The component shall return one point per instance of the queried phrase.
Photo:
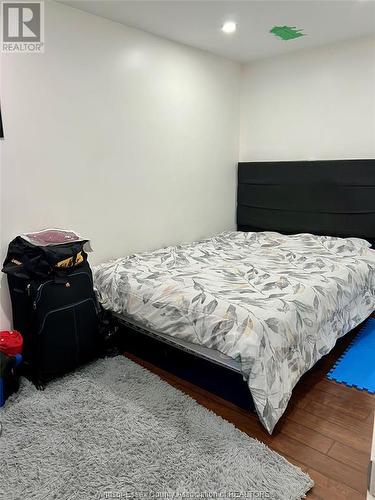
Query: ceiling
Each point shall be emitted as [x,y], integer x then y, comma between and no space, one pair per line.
[197,23]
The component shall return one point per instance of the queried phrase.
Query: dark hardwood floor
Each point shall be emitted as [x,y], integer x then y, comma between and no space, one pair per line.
[327,428]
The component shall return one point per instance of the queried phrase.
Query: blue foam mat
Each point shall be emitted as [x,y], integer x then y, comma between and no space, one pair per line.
[356,367]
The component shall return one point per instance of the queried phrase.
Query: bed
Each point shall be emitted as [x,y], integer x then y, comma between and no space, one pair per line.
[272,298]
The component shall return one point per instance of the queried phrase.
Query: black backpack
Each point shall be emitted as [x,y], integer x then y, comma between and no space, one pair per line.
[54,307]
[9,376]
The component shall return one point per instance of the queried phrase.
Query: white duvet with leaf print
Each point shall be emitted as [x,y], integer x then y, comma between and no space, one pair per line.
[276,303]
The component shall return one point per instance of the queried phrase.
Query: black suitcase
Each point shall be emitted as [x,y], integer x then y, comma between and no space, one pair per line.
[56,312]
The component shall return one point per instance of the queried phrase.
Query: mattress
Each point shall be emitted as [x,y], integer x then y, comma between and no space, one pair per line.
[211,355]
[274,303]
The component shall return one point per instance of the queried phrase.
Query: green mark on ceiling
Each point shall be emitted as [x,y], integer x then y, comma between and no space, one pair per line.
[287,32]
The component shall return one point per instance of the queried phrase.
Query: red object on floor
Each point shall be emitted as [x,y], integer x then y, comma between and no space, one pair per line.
[11,342]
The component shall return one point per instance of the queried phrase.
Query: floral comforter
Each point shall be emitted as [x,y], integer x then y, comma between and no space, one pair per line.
[276,303]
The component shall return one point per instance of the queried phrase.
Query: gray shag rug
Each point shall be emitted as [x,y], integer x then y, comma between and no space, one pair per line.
[115,430]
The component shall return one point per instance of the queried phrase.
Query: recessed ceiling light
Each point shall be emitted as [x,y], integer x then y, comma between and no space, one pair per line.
[229,27]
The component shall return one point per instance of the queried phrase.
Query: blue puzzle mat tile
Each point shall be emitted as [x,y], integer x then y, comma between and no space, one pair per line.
[356,367]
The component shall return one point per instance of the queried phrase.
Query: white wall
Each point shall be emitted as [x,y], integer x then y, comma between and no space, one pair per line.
[130,139]
[311,104]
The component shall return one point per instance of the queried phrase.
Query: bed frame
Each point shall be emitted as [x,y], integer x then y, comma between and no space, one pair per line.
[333,197]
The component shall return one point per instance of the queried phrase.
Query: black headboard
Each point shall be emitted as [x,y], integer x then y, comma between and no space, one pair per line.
[332,197]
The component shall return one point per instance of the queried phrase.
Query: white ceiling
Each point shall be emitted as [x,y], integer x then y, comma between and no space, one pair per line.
[198,23]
